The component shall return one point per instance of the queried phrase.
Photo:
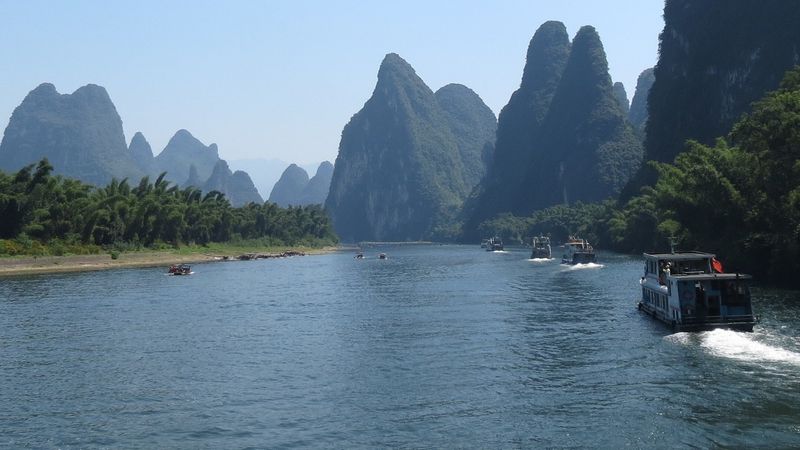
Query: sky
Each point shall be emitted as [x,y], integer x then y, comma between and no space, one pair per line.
[279,80]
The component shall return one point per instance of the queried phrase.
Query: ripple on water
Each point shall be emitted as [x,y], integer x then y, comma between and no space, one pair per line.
[438,346]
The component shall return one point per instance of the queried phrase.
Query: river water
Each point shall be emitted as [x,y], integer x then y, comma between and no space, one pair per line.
[434,347]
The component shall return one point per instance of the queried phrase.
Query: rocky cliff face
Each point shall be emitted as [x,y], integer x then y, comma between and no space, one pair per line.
[183,151]
[399,173]
[237,186]
[80,134]
[289,188]
[316,191]
[637,115]
[715,59]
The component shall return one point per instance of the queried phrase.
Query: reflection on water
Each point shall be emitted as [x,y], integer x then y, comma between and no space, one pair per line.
[436,346]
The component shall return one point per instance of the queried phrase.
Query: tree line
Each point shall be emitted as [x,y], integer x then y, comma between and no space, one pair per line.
[739,198]
[40,211]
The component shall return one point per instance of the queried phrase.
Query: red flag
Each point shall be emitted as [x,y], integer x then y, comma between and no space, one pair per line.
[716,265]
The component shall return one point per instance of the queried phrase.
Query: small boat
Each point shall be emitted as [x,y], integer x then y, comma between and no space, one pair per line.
[690,292]
[578,251]
[494,244]
[359,255]
[382,256]
[180,269]
[541,248]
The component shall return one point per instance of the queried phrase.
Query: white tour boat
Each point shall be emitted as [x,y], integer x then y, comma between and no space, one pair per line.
[688,291]
[578,251]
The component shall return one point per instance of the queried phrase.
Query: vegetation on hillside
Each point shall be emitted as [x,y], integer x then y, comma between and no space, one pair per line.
[43,213]
[739,198]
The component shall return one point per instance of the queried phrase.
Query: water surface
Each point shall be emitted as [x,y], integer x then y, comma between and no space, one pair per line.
[437,346]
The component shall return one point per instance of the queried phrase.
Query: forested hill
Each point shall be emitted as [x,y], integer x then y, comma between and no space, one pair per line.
[563,137]
[399,174]
[473,125]
[518,127]
[589,148]
[715,59]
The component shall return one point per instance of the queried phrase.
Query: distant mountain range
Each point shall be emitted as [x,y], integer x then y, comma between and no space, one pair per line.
[265,172]
[81,135]
[294,188]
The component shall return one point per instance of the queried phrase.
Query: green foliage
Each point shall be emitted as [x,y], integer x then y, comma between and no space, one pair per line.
[587,220]
[43,214]
[739,198]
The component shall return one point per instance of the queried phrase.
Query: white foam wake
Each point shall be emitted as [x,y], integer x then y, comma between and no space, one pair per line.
[583,266]
[740,346]
[540,260]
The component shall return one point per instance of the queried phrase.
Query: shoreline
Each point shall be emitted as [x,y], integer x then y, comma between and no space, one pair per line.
[46,265]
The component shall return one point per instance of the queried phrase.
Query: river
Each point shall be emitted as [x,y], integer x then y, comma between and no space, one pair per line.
[434,347]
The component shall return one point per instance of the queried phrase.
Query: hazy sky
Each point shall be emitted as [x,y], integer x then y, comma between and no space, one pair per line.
[269,79]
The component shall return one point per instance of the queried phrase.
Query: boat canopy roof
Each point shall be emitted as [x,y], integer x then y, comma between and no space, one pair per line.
[679,256]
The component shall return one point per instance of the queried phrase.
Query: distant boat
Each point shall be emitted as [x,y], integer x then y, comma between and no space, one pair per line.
[382,256]
[690,292]
[541,248]
[180,269]
[494,244]
[578,251]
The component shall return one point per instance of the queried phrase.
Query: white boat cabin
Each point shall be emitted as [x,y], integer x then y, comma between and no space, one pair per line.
[688,291]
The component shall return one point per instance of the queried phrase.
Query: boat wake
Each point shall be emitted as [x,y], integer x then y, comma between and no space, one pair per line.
[738,345]
[499,251]
[541,260]
[582,266]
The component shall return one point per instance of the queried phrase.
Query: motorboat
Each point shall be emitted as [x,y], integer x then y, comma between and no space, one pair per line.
[541,248]
[689,291]
[578,251]
[494,244]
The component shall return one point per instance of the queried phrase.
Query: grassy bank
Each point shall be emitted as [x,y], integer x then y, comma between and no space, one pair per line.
[102,259]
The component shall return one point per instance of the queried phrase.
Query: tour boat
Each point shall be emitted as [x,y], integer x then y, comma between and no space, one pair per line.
[578,251]
[494,244]
[690,292]
[541,247]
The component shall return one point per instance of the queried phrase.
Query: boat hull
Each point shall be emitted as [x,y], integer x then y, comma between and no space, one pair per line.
[580,258]
[541,253]
[737,323]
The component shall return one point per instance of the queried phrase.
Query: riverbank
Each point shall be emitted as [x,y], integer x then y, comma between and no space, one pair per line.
[32,265]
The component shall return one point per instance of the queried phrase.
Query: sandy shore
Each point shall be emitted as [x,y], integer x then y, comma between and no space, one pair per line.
[13,266]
